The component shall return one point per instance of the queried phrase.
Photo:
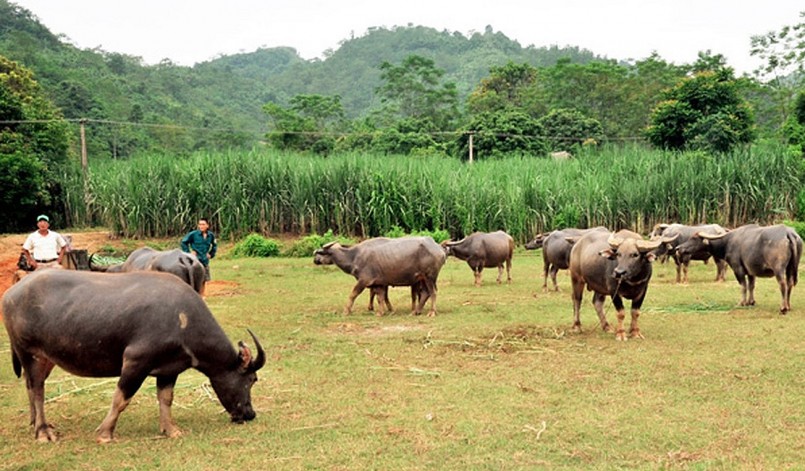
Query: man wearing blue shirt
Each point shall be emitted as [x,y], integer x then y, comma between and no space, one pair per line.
[201,243]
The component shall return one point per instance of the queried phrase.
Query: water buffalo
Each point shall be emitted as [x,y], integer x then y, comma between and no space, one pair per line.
[615,266]
[556,251]
[754,251]
[184,265]
[484,250]
[407,261]
[682,261]
[131,325]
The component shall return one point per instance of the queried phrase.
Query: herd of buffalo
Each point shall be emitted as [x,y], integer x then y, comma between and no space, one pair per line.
[101,325]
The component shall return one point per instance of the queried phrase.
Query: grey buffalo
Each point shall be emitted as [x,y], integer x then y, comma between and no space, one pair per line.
[615,266]
[556,251]
[755,251]
[131,325]
[682,261]
[484,250]
[181,264]
[378,264]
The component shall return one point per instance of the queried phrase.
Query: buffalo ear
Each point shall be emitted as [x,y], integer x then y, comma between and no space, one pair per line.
[651,256]
[245,355]
[608,253]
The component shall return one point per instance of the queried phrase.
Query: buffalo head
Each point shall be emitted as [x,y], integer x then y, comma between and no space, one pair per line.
[537,242]
[632,254]
[697,243]
[324,255]
[234,385]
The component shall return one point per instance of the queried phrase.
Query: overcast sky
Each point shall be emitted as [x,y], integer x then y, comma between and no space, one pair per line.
[191,31]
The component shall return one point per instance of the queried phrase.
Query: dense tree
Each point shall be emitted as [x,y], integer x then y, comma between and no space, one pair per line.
[704,111]
[794,127]
[309,123]
[567,130]
[783,73]
[501,132]
[33,143]
[415,90]
[505,87]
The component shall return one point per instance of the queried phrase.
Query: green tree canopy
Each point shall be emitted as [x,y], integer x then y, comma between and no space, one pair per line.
[501,132]
[703,111]
[566,130]
[506,87]
[309,123]
[414,89]
[33,142]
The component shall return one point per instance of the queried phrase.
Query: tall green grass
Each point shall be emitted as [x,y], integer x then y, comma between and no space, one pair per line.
[367,195]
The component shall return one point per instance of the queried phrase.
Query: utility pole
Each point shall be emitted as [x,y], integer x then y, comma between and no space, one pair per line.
[84,162]
[470,146]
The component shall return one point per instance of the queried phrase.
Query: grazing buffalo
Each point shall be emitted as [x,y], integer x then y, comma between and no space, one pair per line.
[682,261]
[611,265]
[131,325]
[484,250]
[378,264]
[754,251]
[184,265]
[556,251]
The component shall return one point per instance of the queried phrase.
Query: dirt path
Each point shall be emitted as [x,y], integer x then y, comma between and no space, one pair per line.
[11,246]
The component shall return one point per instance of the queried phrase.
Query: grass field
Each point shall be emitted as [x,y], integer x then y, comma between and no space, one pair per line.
[495,381]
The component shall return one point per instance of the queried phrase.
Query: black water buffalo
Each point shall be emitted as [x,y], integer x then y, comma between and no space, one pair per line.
[682,261]
[755,251]
[556,251]
[484,250]
[615,266]
[184,265]
[378,264]
[131,325]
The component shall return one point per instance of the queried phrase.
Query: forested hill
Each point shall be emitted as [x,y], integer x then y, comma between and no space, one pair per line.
[229,91]
[352,71]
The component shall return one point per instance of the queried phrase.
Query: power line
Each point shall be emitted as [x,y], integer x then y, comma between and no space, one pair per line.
[337,134]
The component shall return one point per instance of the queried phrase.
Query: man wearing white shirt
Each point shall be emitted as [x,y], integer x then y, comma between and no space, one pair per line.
[44,248]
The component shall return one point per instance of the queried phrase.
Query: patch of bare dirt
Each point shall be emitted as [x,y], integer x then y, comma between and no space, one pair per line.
[11,246]
[92,242]
[221,288]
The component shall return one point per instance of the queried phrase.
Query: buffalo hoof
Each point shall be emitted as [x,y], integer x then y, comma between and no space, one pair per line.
[607,328]
[174,432]
[635,334]
[431,313]
[576,328]
[46,433]
[620,336]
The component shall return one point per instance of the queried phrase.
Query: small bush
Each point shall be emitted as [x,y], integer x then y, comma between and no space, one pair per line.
[798,226]
[395,232]
[255,245]
[305,246]
[438,235]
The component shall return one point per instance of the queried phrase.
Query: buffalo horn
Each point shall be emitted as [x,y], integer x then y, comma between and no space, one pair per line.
[258,362]
[647,245]
[615,242]
[705,235]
